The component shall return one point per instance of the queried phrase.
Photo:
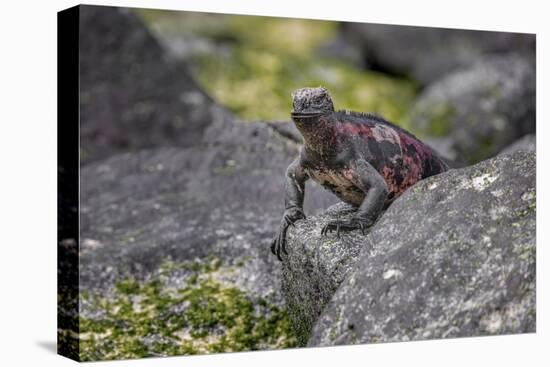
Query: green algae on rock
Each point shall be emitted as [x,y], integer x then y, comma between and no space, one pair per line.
[246,75]
[251,64]
[203,315]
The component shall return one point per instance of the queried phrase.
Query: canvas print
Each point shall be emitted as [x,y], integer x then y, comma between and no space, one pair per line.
[243,183]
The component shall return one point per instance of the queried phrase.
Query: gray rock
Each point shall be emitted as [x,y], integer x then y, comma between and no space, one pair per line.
[424,53]
[453,257]
[343,48]
[222,199]
[528,142]
[315,266]
[479,110]
[179,32]
[443,147]
[287,129]
[132,94]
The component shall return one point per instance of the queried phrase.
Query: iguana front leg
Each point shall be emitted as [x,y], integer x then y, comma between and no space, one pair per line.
[295,179]
[365,177]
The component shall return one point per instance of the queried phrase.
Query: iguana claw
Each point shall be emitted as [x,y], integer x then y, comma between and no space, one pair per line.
[345,225]
[278,245]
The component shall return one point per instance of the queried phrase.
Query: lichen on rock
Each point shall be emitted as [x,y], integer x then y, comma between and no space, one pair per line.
[453,256]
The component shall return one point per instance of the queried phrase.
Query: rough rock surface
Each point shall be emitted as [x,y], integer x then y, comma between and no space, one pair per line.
[479,110]
[132,95]
[315,267]
[454,256]
[424,53]
[222,199]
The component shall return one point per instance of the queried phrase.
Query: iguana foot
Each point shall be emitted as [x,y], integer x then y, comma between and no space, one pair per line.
[279,243]
[346,225]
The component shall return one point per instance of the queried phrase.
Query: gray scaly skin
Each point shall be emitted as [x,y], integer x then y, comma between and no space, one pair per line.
[363,159]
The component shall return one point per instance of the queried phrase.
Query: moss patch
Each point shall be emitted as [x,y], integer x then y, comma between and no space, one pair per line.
[142,319]
[258,61]
[441,122]
[438,119]
[484,147]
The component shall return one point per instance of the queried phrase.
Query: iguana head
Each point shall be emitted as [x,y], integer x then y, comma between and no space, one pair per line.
[310,102]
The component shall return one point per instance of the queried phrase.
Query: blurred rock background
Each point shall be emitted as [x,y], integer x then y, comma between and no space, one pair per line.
[185,136]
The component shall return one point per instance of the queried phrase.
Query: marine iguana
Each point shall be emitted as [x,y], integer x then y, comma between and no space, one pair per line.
[363,159]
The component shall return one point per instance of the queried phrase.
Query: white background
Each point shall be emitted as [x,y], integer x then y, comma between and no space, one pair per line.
[28,182]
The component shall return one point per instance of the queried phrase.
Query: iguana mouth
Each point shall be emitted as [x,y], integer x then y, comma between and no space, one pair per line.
[305,114]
